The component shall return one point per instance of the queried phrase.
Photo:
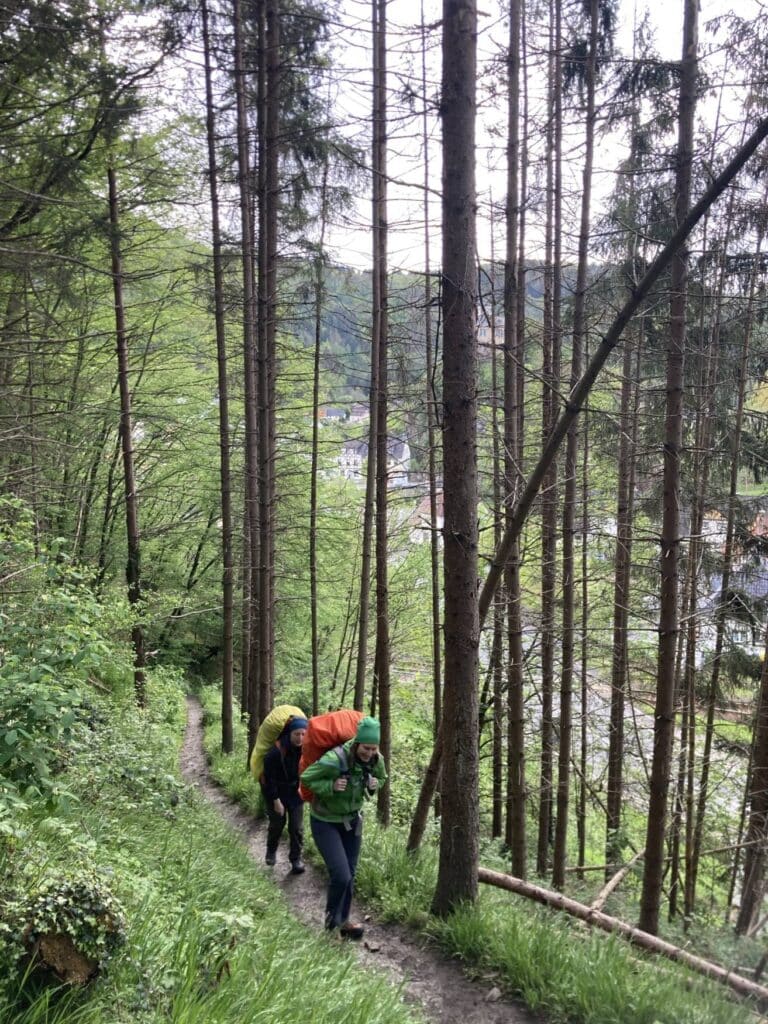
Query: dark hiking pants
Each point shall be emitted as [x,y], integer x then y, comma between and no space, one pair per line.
[295,818]
[339,847]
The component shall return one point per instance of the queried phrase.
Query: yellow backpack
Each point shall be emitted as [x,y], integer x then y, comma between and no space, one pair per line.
[269,730]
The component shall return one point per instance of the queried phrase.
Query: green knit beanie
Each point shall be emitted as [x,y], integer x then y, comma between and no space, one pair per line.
[368,731]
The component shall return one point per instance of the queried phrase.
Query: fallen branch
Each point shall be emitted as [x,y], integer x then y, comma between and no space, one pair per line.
[636,936]
[599,902]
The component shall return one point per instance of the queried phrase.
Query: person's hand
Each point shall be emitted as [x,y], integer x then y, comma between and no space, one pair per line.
[373,784]
[340,784]
[278,807]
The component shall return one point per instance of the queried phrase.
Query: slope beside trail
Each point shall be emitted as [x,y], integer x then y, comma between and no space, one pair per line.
[429,980]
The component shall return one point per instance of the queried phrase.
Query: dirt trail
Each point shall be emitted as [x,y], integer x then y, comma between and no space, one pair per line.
[437,985]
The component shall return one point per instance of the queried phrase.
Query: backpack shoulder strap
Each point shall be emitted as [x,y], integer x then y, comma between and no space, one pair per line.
[341,754]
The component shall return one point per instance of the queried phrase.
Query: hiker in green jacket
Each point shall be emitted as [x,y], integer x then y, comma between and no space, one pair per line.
[341,781]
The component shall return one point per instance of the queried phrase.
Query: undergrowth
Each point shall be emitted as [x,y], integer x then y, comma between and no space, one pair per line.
[208,937]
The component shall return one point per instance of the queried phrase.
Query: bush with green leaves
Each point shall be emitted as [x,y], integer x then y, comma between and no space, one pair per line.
[69,927]
[53,630]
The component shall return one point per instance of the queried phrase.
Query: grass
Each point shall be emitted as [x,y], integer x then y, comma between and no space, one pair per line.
[210,939]
[556,966]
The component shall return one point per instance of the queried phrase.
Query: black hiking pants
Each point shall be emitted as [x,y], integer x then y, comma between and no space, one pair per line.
[295,818]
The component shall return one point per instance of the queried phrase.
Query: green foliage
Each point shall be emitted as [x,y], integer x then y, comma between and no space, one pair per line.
[36,727]
[80,906]
[208,938]
[51,643]
[570,975]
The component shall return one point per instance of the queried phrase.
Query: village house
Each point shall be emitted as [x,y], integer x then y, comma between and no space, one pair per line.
[354,455]
[358,413]
[330,414]
[420,520]
[746,613]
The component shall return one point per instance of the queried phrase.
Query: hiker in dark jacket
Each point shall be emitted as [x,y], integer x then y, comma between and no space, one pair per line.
[281,793]
[340,787]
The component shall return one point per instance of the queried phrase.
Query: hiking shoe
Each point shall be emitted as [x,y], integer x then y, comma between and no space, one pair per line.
[270,859]
[297,867]
[351,931]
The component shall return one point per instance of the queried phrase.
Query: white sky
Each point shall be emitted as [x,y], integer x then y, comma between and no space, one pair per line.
[351,242]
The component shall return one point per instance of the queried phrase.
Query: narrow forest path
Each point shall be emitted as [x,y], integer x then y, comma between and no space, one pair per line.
[429,980]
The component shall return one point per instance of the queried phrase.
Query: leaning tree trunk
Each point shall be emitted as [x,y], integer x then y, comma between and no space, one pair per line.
[227,582]
[133,565]
[664,716]
[574,406]
[457,872]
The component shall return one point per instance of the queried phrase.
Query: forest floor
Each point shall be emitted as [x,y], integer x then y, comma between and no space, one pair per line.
[429,980]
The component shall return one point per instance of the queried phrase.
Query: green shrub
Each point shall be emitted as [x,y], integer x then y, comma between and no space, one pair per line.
[70,927]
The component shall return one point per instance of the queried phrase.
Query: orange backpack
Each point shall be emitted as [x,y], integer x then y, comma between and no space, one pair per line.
[324,733]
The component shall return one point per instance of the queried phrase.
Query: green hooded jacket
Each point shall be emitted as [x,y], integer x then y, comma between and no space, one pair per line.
[337,805]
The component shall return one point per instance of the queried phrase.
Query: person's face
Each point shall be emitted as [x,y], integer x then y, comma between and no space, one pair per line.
[365,751]
[297,737]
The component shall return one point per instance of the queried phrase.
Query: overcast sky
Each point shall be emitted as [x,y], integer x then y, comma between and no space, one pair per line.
[351,241]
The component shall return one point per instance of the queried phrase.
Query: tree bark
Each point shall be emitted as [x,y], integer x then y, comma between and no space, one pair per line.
[664,714]
[551,360]
[570,482]
[225,476]
[319,301]
[381,329]
[753,884]
[514,350]
[251,527]
[457,872]
[133,566]
[430,405]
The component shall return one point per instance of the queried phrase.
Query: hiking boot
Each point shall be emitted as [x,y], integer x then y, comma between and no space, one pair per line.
[297,867]
[351,931]
[271,858]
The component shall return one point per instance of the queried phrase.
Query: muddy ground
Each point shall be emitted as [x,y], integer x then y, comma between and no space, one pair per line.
[431,981]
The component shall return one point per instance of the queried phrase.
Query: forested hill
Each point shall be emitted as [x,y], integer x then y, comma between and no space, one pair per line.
[345,327]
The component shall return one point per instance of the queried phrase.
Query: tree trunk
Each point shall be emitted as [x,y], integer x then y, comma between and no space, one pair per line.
[457,872]
[251,576]
[514,350]
[664,715]
[609,341]
[550,392]
[430,405]
[227,580]
[753,884]
[133,566]
[380,329]
[728,553]
[268,190]
[635,935]
[571,457]
[319,301]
